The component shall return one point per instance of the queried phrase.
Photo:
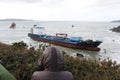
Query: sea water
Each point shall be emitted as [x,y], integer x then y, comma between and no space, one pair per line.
[110,48]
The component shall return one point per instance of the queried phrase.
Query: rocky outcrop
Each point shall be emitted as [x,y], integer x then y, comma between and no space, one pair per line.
[116,29]
[13,25]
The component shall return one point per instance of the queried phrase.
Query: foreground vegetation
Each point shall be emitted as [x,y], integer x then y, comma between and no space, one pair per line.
[22,62]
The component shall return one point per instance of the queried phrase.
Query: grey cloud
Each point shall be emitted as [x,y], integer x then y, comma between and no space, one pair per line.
[27,1]
[54,2]
[12,1]
[31,1]
[109,2]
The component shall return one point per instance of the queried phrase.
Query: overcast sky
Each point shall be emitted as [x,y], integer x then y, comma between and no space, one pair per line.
[80,10]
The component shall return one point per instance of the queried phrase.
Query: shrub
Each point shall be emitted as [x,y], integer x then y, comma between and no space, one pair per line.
[22,62]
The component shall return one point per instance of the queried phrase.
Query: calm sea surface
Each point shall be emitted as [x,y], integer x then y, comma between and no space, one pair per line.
[88,30]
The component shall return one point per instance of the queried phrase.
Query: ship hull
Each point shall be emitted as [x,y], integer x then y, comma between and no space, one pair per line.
[83,45]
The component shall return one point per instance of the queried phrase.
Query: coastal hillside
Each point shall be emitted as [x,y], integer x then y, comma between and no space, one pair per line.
[116,21]
[116,29]
[22,63]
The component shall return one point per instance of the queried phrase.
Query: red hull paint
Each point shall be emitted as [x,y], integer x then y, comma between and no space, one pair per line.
[67,45]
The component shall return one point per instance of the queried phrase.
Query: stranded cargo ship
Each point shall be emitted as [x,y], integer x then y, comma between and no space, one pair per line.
[61,39]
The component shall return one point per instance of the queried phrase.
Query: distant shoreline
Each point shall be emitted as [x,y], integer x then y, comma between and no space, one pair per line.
[117,21]
[16,20]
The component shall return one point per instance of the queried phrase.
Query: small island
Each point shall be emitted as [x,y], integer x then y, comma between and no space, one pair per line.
[116,29]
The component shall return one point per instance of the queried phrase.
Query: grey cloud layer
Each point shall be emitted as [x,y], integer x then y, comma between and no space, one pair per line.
[108,2]
[30,1]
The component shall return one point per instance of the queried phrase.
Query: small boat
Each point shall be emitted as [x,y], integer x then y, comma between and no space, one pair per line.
[61,39]
[13,25]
